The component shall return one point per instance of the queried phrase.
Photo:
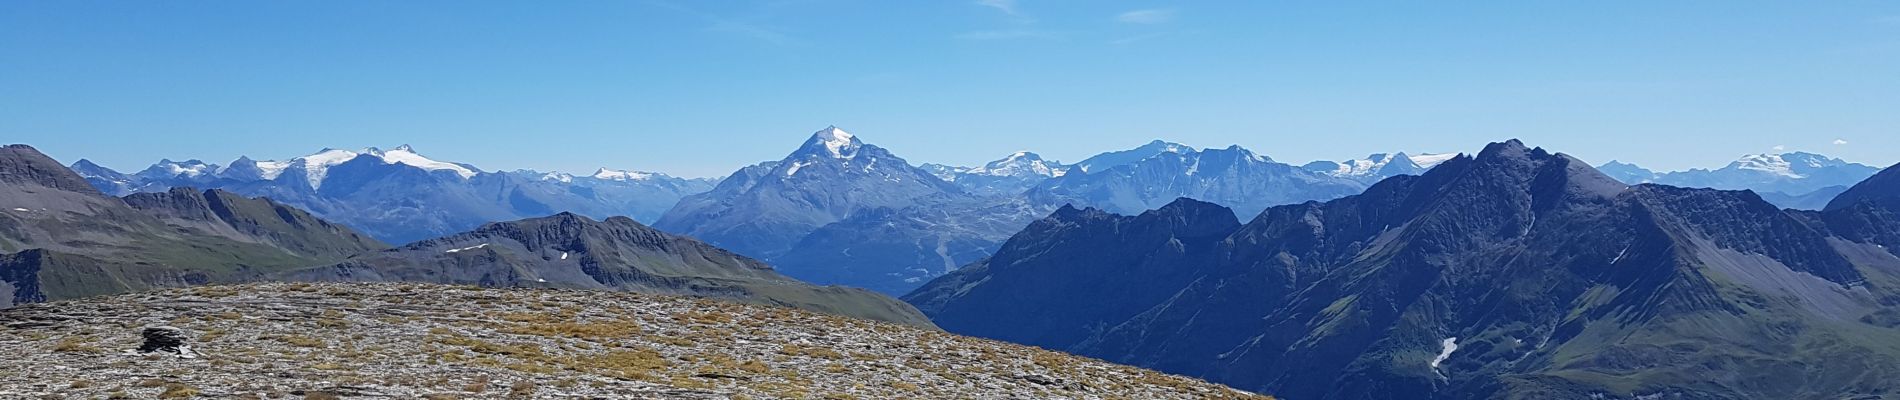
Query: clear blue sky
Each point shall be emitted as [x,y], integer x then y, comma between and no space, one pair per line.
[699,88]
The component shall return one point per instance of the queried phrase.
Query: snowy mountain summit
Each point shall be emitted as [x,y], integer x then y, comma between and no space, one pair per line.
[835,142]
[1379,166]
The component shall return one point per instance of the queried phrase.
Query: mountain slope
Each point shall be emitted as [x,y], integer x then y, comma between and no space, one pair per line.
[67,240]
[1516,273]
[762,211]
[571,251]
[895,250]
[1881,190]
[425,341]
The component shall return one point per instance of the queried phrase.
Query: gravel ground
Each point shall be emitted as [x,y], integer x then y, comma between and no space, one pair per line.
[328,341]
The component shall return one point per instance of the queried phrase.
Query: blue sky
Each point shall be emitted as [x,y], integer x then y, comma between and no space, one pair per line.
[699,88]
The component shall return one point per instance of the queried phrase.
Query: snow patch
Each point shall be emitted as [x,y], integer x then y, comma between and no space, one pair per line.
[21,210]
[317,166]
[272,169]
[1444,352]
[793,169]
[466,248]
[563,255]
[1769,163]
[617,175]
[558,177]
[190,168]
[1429,160]
[1021,163]
[839,143]
[408,156]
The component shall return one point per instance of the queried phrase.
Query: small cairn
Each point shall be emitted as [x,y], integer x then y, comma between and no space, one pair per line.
[166,339]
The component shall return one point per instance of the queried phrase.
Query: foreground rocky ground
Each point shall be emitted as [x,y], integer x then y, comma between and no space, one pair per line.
[328,341]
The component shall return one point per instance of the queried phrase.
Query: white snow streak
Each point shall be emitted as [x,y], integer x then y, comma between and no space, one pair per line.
[1449,345]
[466,248]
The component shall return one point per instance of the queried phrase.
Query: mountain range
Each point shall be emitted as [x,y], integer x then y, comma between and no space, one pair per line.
[1514,273]
[62,238]
[401,196]
[1797,180]
[1234,176]
[840,211]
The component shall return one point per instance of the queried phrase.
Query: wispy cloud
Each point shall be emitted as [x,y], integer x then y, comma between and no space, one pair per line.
[1146,17]
[1781,148]
[1006,6]
[731,26]
[1838,142]
[1003,34]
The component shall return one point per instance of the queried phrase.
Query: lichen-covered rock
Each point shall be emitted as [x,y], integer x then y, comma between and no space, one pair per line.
[294,340]
[164,338]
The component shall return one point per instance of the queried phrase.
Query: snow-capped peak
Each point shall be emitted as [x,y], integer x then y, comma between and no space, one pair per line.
[836,142]
[317,166]
[187,168]
[1380,165]
[1769,163]
[557,177]
[618,175]
[407,156]
[1021,163]
[1111,159]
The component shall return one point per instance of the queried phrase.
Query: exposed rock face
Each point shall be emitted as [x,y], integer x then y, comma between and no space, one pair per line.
[23,165]
[1517,273]
[412,340]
